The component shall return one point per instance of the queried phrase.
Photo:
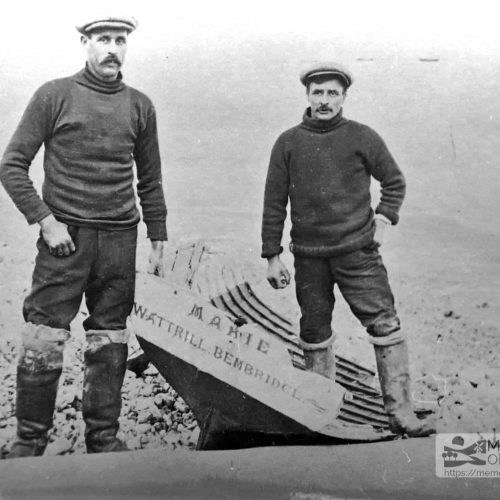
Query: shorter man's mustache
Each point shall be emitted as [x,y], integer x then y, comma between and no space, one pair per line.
[324,108]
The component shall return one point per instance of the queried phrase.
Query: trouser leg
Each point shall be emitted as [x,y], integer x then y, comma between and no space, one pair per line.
[111,287]
[59,282]
[362,279]
[314,291]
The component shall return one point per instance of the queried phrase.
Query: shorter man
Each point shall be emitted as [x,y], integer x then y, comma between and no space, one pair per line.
[324,167]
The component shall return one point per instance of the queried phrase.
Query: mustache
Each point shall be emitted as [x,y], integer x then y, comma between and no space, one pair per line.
[324,108]
[111,59]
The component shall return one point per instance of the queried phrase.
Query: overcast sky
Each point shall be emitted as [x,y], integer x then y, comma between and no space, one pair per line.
[471,27]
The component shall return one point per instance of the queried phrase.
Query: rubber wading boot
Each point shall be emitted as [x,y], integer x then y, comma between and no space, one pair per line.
[321,361]
[393,371]
[35,402]
[101,402]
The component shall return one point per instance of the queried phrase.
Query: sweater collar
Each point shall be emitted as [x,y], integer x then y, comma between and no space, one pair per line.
[86,78]
[310,123]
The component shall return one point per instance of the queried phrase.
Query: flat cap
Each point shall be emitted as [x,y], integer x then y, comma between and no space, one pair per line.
[128,23]
[326,68]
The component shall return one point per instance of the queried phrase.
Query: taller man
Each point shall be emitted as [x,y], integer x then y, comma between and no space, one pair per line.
[324,167]
[94,128]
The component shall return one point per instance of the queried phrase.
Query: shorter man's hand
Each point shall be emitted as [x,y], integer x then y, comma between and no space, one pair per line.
[277,273]
[156,259]
[56,236]
[379,235]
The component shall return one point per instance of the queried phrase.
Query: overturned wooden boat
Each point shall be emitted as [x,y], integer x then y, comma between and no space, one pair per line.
[237,364]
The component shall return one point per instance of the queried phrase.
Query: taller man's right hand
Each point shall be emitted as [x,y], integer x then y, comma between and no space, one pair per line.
[56,236]
[277,273]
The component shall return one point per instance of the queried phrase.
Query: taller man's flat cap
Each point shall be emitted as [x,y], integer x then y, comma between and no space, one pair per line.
[128,23]
[326,68]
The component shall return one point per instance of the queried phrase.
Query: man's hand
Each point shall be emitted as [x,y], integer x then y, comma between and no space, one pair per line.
[277,273]
[56,236]
[156,259]
[380,225]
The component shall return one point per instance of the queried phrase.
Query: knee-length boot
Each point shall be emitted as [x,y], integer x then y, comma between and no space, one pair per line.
[393,370]
[319,358]
[105,367]
[321,361]
[38,372]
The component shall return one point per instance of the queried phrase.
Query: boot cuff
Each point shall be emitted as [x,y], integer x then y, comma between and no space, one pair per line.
[99,338]
[36,337]
[306,346]
[391,339]
[41,348]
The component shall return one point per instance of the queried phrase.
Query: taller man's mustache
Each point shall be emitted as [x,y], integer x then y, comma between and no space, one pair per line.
[324,108]
[112,59]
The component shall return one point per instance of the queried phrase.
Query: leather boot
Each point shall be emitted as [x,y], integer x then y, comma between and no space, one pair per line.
[101,402]
[38,371]
[393,372]
[35,403]
[321,361]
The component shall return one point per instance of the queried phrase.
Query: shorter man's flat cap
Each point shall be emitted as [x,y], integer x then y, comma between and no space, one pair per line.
[128,23]
[326,68]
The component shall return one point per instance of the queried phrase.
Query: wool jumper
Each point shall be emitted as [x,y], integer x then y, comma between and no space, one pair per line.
[93,132]
[324,168]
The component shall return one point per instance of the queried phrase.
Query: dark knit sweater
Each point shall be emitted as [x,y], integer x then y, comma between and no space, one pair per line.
[93,132]
[324,169]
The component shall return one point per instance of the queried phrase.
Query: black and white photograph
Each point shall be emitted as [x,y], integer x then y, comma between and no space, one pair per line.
[247,250]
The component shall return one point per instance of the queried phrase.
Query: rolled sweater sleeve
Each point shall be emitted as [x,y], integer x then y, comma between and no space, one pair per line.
[385,170]
[33,129]
[149,176]
[275,200]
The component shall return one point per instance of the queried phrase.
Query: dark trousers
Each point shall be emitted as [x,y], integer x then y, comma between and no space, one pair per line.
[102,268]
[361,278]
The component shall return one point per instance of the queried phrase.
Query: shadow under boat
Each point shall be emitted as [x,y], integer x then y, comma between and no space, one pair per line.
[230,419]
